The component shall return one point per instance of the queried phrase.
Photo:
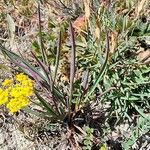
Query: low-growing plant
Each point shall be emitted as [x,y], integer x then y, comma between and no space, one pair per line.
[88,139]
[60,103]
[139,134]
[71,74]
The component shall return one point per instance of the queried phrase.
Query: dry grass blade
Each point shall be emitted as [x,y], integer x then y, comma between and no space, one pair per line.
[140,7]
[87,8]
[72,63]
[85,80]
[11,25]
[57,56]
[114,40]
[44,57]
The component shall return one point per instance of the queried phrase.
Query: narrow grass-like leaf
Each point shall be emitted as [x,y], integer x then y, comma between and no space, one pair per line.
[139,110]
[35,112]
[84,85]
[15,58]
[59,95]
[45,71]
[50,84]
[102,71]
[26,67]
[29,72]
[72,63]
[43,52]
[47,106]
[57,56]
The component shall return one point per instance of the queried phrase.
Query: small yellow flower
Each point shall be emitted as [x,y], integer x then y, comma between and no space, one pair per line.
[21,91]
[28,83]
[16,95]
[7,82]
[16,104]
[21,77]
[15,92]
[1,91]
[4,96]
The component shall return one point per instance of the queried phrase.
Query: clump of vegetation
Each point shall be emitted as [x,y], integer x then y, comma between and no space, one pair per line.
[92,65]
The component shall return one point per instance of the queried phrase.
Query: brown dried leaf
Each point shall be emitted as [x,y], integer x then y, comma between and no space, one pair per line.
[79,24]
[87,8]
[114,40]
[97,32]
[143,56]
[140,7]
[11,26]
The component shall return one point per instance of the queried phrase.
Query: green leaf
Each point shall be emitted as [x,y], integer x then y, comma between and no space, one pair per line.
[22,62]
[57,56]
[34,112]
[87,142]
[47,106]
[43,52]
[36,47]
[102,71]
[140,111]
[103,147]
[43,70]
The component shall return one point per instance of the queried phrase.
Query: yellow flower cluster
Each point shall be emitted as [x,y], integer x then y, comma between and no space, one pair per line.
[15,93]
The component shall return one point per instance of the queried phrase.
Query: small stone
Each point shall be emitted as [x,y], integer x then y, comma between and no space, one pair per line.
[2,138]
